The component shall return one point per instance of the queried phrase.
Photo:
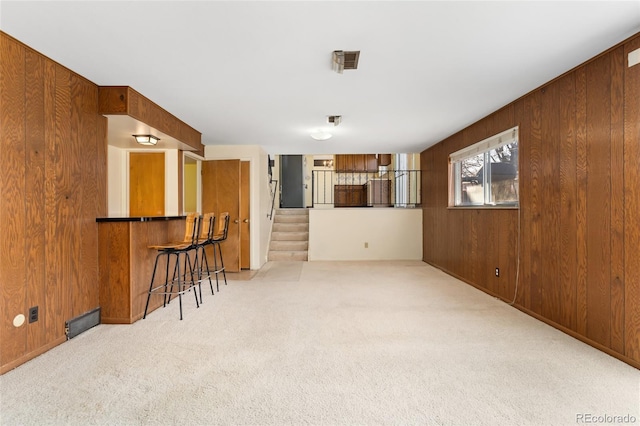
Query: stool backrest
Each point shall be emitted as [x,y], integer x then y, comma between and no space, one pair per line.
[207,227]
[223,227]
[191,227]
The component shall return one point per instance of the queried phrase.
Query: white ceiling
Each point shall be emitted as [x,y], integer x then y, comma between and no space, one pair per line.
[259,73]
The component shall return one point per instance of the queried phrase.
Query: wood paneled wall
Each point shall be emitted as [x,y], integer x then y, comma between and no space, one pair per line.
[576,236]
[53,153]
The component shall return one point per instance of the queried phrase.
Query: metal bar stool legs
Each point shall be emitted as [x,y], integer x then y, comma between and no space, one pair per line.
[181,280]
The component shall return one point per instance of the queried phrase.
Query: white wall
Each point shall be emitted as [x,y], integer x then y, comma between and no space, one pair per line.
[341,234]
[117,188]
[260,225]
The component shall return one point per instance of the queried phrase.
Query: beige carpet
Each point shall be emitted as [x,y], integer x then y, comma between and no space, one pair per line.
[325,343]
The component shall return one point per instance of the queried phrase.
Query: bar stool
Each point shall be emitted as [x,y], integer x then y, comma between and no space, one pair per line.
[179,279]
[219,237]
[200,262]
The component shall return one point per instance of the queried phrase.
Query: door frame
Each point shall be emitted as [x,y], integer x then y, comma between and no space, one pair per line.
[198,159]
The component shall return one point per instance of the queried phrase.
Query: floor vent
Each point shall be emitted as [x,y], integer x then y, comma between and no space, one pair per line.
[82,323]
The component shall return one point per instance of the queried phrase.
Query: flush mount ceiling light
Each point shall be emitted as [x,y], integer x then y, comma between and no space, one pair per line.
[320,135]
[345,60]
[146,139]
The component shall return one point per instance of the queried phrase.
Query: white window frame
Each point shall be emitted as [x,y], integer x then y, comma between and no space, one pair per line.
[483,148]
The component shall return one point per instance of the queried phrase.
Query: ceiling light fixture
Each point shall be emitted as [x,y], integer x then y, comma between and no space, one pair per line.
[320,135]
[146,139]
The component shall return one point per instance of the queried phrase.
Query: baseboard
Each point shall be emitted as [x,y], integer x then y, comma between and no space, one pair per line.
[575,335]
[31,355]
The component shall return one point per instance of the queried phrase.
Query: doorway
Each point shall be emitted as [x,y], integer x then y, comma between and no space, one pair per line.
[291,181]
[191,184]
[226,188]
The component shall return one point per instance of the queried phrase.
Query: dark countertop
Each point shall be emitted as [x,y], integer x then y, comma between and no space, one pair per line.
[137,219]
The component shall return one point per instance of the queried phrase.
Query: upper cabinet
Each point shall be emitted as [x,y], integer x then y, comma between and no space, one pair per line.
[384,159]
[360,162]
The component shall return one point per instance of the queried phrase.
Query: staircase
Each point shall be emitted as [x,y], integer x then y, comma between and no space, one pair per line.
[290,235]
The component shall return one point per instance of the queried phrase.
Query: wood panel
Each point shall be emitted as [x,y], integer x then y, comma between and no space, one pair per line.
[617,200]
[521,293]
[533,144]
[146,184]
[12,202]
[578,226]
[581,201]
[35,197]
[53,179]
[567,277]
[551,132]
[115,264]
[88,145]
[632,206]
[598,200]
[54,291]
[68,197]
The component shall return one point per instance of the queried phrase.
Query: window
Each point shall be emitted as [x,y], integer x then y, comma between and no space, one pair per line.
[486,173]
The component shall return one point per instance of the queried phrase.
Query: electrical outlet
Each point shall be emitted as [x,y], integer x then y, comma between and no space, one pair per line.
[497,272]
[366,245]
[33,314]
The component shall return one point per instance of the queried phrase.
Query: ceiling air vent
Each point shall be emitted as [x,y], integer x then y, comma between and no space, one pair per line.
[334,119]
[345,60]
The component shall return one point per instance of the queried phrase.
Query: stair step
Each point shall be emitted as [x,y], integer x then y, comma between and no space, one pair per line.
[290,227]
[289,255]
[276,245]
[289,236]
[291,218]
[297,212]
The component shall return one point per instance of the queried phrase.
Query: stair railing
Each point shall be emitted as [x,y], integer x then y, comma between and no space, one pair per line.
[274,190]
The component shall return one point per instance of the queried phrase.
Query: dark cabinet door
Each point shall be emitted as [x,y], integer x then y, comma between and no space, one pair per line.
[371,163]
[356,163]
[384,159]
[349,196]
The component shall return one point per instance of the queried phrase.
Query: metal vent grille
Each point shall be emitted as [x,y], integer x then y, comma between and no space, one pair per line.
[351,59]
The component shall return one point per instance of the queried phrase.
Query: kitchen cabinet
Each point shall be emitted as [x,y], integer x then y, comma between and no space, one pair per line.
[384,159]
[350,196]
[356,163]
[379,193]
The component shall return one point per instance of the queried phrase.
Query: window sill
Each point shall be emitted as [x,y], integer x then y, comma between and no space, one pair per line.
[484,207]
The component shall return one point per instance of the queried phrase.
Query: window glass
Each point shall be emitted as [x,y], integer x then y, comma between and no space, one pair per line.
[486,173]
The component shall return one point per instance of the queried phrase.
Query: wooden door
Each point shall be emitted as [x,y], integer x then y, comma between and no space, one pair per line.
[146,184]
[221,193]
[245,216]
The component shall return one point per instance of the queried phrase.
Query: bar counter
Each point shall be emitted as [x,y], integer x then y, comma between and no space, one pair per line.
[126,263]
